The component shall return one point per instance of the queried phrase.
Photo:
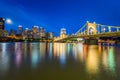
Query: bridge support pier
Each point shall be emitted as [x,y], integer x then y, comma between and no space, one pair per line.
[91,41]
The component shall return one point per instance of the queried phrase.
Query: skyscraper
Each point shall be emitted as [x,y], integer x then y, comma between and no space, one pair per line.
[35,29]
[20,29]
[12,32]
[63,33]
[50,35]
[42,32]
[2,23]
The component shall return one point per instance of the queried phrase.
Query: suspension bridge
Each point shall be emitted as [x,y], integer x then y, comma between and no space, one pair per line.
[92,32]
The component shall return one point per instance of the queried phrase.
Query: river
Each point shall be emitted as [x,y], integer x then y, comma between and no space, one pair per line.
[59,61]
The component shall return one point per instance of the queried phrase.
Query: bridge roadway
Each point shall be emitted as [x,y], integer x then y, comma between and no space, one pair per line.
[95,36]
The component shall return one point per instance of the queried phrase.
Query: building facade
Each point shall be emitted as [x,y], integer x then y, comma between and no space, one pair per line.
[50,35]
[2,23]
[63,33]
[20,29]
[36,34]
[42,33]
[3,33]
[35,29]
[13,32]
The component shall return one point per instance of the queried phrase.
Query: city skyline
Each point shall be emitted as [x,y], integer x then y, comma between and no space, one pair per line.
[56,14]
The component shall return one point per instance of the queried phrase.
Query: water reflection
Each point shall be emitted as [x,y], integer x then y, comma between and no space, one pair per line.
[4,58]
[80,51]
[56,49]
[111,60]
[60,52]
[85,50]
[42,50]
[35,54]
[104,57]
[25,49]
[95,59]
[108,58]
[50,50]
[18,52]
[92,63]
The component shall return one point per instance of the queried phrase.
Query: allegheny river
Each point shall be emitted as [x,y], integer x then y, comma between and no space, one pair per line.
[59,61]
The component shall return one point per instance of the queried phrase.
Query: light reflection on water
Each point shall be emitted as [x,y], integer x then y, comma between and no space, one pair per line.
[35,55]
[18,54]
[92,63]
[4,59]
[111,60]
[92,59]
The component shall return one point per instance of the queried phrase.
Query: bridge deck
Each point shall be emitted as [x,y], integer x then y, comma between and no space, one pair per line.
[108,34]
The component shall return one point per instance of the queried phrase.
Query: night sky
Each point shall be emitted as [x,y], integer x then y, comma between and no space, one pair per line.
[55,14]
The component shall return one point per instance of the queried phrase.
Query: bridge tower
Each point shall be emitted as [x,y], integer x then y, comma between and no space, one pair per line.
[91,28]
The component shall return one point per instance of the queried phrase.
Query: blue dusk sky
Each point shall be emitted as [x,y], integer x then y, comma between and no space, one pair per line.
[55,14]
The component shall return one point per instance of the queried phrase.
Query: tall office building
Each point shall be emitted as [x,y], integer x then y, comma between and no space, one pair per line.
[50,35]
[12,32]
[2,23]
[20,29]
[35,29]
[42,32]
[63,33]
[29,34]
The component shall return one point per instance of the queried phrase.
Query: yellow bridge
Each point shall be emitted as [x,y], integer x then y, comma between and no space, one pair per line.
[93,31]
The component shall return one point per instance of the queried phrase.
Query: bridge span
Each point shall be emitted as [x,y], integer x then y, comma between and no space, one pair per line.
[91,33]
